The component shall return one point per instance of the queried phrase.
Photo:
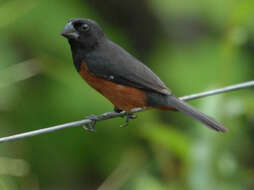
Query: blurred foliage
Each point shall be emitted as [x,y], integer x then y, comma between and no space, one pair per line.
[192,45]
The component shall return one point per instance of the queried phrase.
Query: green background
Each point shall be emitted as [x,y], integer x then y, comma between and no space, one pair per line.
[193,45]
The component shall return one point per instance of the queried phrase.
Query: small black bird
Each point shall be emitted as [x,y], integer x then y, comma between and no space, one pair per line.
[119,76]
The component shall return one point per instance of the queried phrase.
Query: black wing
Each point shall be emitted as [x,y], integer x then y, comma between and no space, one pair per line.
[113,63]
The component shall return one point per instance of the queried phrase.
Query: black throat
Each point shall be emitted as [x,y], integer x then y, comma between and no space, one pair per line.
[80,52]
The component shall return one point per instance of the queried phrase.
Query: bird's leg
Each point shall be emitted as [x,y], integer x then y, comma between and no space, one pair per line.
[128,117]
[90,126]
[117,110]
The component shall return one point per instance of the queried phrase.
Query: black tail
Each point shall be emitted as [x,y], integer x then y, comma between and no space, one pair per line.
[181,106]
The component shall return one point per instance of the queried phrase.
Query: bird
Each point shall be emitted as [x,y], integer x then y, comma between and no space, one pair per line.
[120,77]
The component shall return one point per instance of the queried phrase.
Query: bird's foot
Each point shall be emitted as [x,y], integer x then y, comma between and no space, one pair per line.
[128,117]
[90,126]
[117,110]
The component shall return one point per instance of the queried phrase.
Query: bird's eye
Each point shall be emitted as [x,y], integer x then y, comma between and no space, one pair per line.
[85,27]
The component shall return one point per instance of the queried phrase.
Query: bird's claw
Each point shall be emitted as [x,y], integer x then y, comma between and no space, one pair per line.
[90,126]
[117,110]
[128,117]
[133,116]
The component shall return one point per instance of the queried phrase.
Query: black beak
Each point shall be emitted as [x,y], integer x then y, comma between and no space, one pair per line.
[69,31]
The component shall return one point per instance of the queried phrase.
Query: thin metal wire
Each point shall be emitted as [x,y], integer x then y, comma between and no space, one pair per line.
[219,91]
[109,115]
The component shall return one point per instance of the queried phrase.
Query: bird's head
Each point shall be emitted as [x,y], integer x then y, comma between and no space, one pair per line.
[84,33]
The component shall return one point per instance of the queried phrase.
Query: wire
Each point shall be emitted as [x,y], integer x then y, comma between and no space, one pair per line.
[109,115]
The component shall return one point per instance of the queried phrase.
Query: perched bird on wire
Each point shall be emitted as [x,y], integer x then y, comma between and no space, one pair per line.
[124,80]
